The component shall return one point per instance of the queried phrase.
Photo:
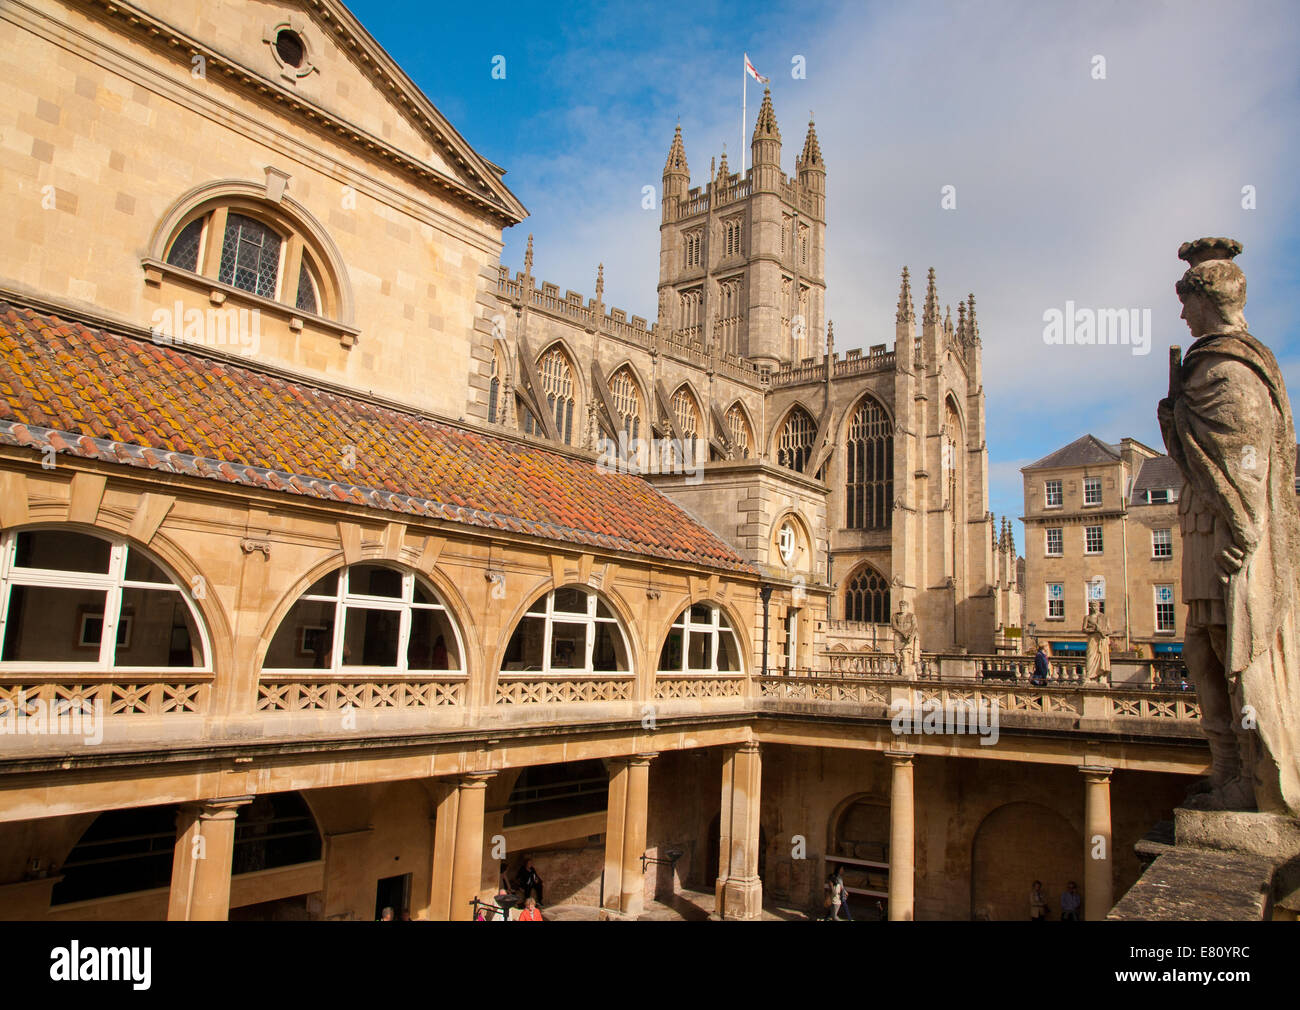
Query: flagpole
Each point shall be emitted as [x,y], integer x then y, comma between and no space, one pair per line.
[744,118]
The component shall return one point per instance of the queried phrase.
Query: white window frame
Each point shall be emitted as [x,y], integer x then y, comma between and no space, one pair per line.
[1094,591]
[1047,494]
[714,628]
[1091,484]
[112,583]
[1156,555]
[1060,542]
[1058,598]
[343,598]
[1173,608]
[1101,537]
[590,619]
[791,656]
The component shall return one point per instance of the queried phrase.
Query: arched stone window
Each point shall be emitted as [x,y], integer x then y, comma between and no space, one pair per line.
[82,602]
[795,445]
[687,413]
[259,247]
[867,597]
[569,630]
[627,402]
[869,487]
[701,640]
[368,617]
[557,386]
[494,389]
[738,431]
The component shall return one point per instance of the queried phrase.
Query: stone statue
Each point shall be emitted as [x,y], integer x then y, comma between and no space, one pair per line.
[1227,423]
[907,641]
[1097,628]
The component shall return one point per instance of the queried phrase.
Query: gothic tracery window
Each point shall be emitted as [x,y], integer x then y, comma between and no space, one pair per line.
[557,388]
[869,487]
[738,431]
[867,597]
[627,402]
[688,419]
[794,448]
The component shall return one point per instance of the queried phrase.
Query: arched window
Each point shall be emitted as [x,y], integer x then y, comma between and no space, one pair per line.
[627,402]
[738,430]
[367,617]
[570,630]
[77,601]
[257,248]
[688,419]
[557,387]
[701,640]
[494,389]
[794,448]
[867,597]
[124,851]
[869,489]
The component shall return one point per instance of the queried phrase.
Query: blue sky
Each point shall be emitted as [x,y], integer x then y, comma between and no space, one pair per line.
[1068,187]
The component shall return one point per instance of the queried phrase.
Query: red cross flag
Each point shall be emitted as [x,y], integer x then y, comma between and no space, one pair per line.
[749,69]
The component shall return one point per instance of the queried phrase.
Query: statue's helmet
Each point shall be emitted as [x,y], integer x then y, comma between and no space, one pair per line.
[1212,274]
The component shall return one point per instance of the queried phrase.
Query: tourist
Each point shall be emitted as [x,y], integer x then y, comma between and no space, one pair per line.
[387,914]
[530,884]
[531,912]
[1041,669]
[1037,903]
[838,883]
[1071,902]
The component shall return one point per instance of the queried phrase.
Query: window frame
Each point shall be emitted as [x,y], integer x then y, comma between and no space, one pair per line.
[1101,541]
[1091,484]
[1047,494]
[1172,605]
[112,583]
[718,624]
[1156,554]
[1058,598]
[589,620]
[1047,542]
[343,599]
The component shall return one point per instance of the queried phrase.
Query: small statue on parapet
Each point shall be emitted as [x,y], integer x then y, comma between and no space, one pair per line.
[1097,661]
[907,641]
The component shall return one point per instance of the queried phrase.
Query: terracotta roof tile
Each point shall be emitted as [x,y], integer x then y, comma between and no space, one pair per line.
[99,395]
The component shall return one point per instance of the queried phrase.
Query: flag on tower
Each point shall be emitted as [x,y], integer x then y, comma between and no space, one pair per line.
[749,69]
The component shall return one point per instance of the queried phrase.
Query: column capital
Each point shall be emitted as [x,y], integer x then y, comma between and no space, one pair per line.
[224,809]
[900,757]
[1096,773]
[475,780]
[748,747]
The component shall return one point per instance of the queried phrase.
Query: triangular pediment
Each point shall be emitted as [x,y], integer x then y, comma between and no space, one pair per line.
[344,81]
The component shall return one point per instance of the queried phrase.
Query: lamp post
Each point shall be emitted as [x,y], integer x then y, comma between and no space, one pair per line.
[1033,633]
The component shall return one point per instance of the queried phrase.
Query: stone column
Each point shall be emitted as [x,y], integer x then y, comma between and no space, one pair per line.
[625,835]
[201,861]
[902,838]
[457,875]
[1098,864]
[739,892]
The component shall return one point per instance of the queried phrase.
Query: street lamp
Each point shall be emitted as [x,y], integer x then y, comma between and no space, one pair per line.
[1033,633]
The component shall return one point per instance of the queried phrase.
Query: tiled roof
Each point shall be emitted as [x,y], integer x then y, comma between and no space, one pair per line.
[1088,449]
[1156,473]
[95,394]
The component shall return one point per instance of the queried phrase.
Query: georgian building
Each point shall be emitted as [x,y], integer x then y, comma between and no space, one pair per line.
[321,590]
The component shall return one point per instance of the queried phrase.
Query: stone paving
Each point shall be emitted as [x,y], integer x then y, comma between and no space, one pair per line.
[685,906]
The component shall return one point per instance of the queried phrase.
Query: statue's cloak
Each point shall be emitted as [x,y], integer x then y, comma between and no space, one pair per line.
[1233,437]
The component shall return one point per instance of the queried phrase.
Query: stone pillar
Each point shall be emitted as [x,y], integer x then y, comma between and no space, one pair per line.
[625,835]
[201,860]
[739,892]
[1098,864]
[457,875]
[902,838]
